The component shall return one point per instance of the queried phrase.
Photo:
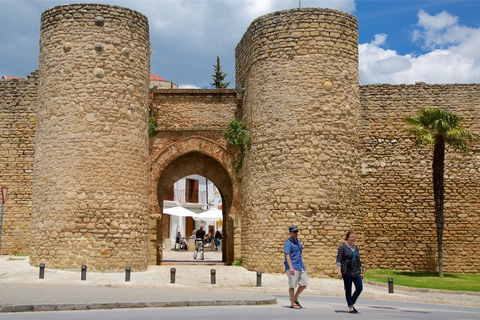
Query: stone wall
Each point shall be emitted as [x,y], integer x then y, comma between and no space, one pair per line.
[189,140]
[299,69]
[181,113]
[90,183]
[17,144]
[327,155]
[397,198]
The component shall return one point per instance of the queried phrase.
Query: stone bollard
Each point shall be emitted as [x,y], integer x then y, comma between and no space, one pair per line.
[172,275]
[390,285]
[128,270]
[213,279]
[84,273]
[259,278]
[42,271]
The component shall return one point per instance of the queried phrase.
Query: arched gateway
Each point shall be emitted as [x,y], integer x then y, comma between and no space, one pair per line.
[326,155]
[179,152]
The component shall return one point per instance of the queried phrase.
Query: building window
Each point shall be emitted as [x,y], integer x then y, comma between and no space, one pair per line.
[191,191]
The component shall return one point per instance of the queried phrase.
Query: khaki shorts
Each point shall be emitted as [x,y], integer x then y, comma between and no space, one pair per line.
[299,279]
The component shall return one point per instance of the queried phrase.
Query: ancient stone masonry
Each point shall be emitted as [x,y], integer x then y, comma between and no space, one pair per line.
[189,140]
[17,144]
[90,183]
[86,183]
[300,73]
[397,199]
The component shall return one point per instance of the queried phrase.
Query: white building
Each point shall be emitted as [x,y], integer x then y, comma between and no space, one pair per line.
[197,194]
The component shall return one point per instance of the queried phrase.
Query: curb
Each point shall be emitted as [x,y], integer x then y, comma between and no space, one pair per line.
[423,290]
[132,304]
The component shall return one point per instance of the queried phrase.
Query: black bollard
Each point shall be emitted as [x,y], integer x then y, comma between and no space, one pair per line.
[128,270]
[390,285]
[42,271]
[84,273]
[259,278]
[213,276]
[172,275]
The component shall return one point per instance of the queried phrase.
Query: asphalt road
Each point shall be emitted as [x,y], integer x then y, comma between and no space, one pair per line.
[315,307]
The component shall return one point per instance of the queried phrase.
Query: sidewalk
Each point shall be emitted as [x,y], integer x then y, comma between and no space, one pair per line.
[22,290]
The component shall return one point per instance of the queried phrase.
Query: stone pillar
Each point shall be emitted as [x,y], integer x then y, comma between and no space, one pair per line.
[299,72]
[91,163]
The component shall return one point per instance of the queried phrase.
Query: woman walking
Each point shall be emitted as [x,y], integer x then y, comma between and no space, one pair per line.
[349,268]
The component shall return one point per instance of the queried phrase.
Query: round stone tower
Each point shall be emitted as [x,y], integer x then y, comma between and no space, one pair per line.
[91,162]
[298,70]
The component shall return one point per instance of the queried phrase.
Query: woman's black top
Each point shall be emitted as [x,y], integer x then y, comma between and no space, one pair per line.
[349,260]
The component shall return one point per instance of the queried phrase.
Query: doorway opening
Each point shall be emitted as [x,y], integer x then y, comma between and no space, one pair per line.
[190,203]
[194,189]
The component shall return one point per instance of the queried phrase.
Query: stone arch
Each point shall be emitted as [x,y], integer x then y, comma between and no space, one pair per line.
[194,155]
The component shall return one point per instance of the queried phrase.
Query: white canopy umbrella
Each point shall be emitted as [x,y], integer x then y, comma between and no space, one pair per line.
[179,211]
[212,214]
[177,220]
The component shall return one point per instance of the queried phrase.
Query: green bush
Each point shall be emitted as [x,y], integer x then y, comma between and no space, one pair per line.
[237,135]
[237,262]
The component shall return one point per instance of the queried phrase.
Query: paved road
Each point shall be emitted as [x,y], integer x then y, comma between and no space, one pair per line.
[22,290]
[315,307]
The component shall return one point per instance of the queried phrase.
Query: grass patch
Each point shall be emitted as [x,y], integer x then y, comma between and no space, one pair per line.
[428,280]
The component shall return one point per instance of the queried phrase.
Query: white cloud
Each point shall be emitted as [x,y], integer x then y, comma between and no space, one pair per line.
[452,55]
[186,35]
[188,86]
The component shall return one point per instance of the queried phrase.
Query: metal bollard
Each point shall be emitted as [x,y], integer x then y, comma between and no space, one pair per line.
[390,285]
[84,273]
[42,271]
[128,270]
[172,275]
[213,276]
[259,278]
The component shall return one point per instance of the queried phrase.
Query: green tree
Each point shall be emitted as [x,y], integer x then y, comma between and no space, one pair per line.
[439,128]
[219,76]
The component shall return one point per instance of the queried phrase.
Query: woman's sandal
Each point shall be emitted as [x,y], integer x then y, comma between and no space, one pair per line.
[298,304]
[295,307]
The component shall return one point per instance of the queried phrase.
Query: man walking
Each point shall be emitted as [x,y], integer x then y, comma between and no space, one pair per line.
[294,267]
[199,237]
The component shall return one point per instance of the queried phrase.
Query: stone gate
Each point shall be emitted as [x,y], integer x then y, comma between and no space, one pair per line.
[87,183]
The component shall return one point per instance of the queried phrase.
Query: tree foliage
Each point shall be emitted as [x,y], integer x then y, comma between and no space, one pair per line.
[152,124]
[219,76]
[438,127]
[434,125]
[237,135]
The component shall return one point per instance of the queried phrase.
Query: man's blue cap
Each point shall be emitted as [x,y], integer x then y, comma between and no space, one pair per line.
[293,229]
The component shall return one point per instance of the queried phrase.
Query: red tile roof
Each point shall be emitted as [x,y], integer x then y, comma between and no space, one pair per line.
[11,77]
[154,77]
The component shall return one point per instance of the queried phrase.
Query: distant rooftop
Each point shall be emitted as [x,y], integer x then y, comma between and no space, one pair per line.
[11,77]
[160,83]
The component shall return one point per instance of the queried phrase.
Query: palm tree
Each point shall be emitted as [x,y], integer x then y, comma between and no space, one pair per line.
[440,128]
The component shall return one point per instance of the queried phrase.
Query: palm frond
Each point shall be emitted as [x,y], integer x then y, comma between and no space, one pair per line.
[433,123]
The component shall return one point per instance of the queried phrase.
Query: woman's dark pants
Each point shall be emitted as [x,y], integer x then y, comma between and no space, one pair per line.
[347,281]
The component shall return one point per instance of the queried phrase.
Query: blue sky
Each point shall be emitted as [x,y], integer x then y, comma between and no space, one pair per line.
[400,41]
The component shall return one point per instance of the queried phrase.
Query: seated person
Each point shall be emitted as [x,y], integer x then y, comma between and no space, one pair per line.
[180,241]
